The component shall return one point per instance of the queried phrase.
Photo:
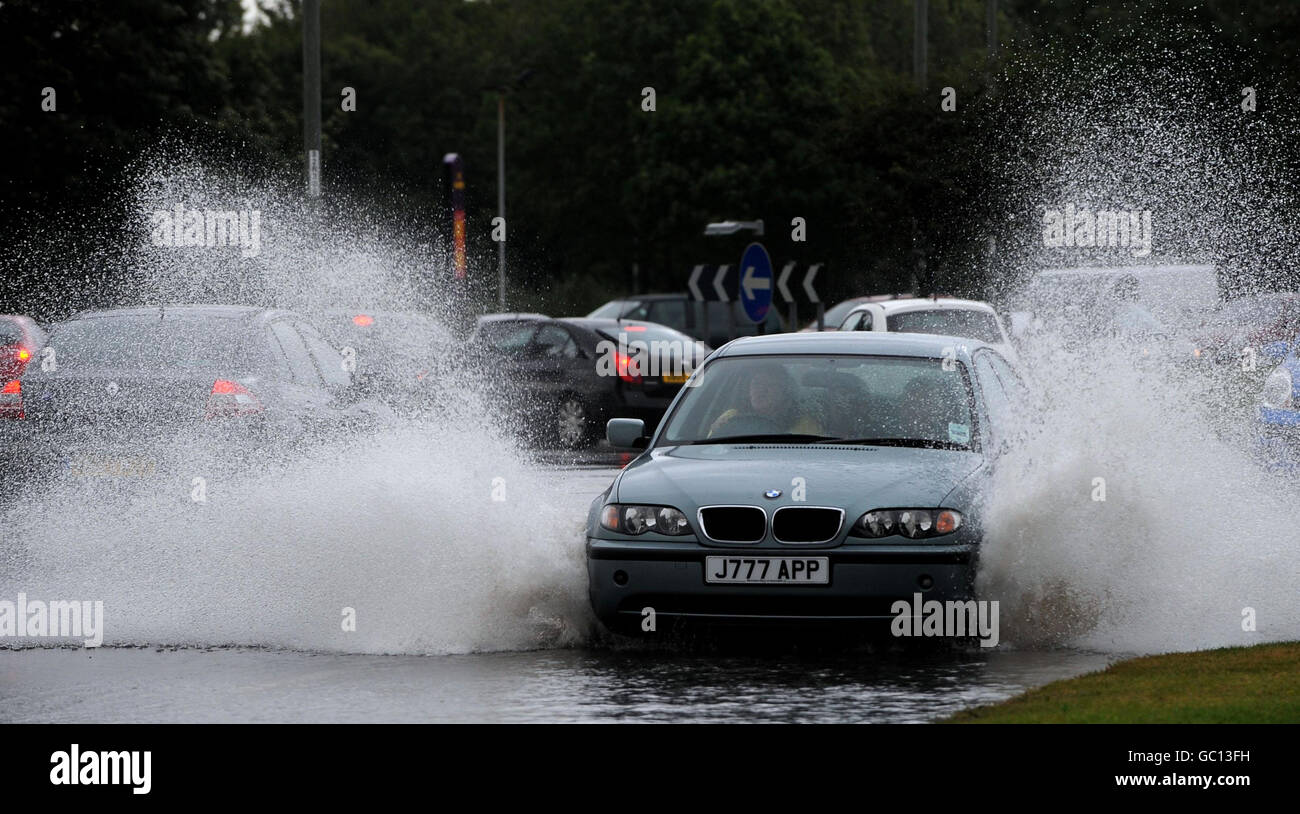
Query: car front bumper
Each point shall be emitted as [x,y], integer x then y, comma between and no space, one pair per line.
[865,581]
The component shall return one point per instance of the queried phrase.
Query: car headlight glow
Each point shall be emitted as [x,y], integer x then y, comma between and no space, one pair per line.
[917,524]
[635,519]
[1278,390]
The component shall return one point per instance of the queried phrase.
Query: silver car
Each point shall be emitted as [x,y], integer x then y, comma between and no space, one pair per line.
[810,476]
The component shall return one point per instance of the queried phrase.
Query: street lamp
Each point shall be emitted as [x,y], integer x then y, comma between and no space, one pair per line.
[502,90]
[730,227]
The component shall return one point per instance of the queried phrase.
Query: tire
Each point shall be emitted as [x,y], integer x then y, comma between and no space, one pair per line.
[572,423]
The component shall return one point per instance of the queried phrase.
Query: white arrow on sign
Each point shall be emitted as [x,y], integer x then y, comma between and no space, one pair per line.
[783,279]
[749,283]
[717,283]
[694,284]
[808,282]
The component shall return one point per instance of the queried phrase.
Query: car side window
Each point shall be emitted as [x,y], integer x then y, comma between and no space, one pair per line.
[1015,386]
[328,359]
[511,338]
[851,322]
[996,399]
[301,369]
[553,342]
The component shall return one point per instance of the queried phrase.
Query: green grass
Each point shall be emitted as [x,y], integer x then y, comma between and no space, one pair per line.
[1258,684]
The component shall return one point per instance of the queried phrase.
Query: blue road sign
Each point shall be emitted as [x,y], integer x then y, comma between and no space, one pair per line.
[755,278]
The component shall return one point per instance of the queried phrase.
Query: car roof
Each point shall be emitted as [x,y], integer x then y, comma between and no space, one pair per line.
[922,303]
[244,312]
[514,315]
[611,323]
[854,343]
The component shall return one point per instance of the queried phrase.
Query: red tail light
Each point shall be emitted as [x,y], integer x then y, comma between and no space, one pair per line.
[627,368]
[11,400]
[230,398]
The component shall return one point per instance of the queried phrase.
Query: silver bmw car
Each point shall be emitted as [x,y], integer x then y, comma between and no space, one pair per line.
[810,476]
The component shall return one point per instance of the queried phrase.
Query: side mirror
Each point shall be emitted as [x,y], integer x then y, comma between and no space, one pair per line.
[1276,351]
[626,433]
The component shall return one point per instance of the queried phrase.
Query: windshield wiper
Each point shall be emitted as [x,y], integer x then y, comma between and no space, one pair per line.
[923,443]
[768,437]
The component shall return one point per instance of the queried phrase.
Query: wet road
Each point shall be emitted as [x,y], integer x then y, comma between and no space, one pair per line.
[115,685]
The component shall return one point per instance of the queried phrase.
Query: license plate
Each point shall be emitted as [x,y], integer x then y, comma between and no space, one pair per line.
[675,379]
[767,570]
[110,466]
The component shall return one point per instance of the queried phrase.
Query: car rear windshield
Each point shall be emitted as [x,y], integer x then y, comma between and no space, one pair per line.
[947,322]
[903,401]
[149,343]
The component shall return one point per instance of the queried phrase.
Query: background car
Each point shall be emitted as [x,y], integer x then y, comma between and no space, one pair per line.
[21,341]
[834,316]
[681,313]
[122,388]
[940,315]
[399,355]
[806,477]
[567,376]
[1278,413]
[1254,321]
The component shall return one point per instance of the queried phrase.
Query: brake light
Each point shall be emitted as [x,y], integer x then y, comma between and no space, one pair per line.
[363,320]
[230,398]
[11,400]
[627,368]
[24,355]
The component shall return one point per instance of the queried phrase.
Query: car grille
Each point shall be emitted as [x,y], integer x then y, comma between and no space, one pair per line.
[734,524]
[806,524]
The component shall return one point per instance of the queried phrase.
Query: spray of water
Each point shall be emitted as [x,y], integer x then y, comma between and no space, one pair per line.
[1135,518]
[436,533]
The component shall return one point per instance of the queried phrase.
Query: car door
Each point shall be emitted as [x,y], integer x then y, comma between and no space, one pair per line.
[554,365]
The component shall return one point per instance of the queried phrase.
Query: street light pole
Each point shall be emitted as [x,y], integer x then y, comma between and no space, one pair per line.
[920,34]
[311,93]
[501,198]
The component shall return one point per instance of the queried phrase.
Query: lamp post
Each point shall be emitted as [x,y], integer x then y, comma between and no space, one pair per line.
[502,90]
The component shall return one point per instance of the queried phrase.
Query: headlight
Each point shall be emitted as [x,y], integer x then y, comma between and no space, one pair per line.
[1278,390]
[914,523]
[627,519]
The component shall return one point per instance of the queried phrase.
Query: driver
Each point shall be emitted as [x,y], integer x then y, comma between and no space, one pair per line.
[771,407]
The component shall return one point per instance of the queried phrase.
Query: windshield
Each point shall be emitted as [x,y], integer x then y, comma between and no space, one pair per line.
[610,310]
[948,322]
[148,343]
[807,399]
[836,313]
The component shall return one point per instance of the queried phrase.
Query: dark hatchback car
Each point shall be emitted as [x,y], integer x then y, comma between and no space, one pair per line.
[120,392]
[566,377]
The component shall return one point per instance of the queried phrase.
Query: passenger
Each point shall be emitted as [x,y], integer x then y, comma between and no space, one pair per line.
[921,413]
[771,407]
